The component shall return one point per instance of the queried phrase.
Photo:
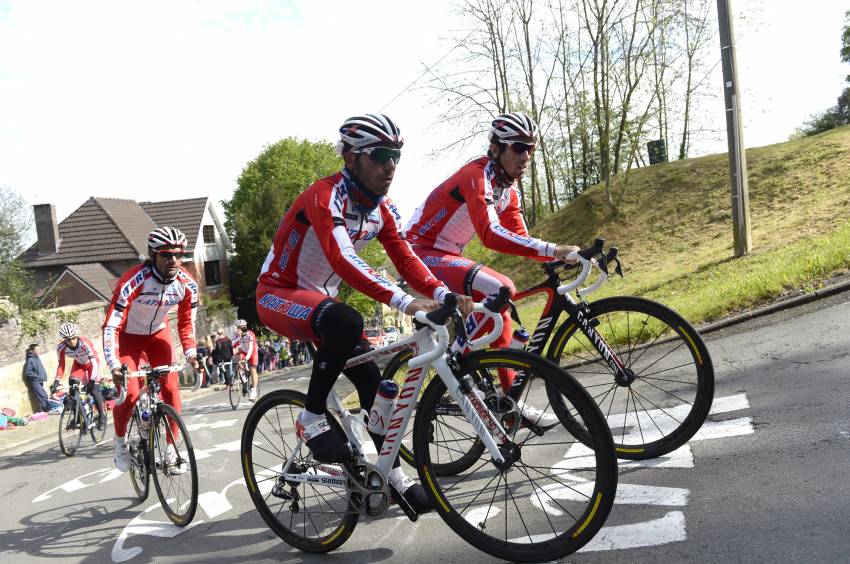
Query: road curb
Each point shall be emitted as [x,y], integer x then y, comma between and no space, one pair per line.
[796,301]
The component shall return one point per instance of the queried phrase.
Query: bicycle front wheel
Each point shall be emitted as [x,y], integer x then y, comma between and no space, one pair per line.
[671,385]
[70,428]
[552,495]
[98,426]
[235,391]
[139,466]
[310,516]
[175,474]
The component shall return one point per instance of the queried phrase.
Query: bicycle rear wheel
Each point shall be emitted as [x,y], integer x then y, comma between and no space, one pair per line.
[309,516]
[552,497]
[672,385]
[138,445]
[176,481]
[70,428]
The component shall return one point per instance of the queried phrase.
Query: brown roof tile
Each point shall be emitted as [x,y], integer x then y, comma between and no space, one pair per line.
[185,215]
[96,276]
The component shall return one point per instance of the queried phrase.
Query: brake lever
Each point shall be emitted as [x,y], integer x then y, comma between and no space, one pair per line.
[460,326]
[618,269]
[514,312]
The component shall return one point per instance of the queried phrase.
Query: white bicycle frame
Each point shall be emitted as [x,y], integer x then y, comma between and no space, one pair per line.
[431,344]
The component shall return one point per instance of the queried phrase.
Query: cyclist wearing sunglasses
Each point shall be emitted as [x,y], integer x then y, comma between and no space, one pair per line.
[136,329]
[85,366]
[482,199]
[315,247]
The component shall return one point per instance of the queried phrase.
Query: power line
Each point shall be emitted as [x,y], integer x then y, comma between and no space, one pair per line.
[426,71]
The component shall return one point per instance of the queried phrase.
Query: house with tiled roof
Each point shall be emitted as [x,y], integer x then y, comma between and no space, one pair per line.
[79,259]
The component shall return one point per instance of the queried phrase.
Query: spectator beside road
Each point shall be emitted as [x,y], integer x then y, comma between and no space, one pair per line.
[203,353]
[271,356]
[262,359]
[293,349]
[36,376]
[224,351]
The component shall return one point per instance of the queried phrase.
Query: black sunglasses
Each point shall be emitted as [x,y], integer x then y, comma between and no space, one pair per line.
[382,155]
[168,255]
[519,147]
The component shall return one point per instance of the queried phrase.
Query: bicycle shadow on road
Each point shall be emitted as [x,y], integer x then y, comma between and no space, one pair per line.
[71,531]
[39,457]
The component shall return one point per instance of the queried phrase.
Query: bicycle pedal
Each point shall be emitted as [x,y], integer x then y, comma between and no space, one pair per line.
[403,504]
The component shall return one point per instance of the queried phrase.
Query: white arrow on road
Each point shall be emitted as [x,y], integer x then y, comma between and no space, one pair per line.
[78,484]
[216,425]
[140,526]
[667,529]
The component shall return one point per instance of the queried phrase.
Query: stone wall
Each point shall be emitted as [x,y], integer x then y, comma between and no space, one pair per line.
[90,317]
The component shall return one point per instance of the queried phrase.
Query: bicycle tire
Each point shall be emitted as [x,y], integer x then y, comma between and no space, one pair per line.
[271,423]
[179,511]
[565,508]
[97,435]
[139,475]
[235,392]
[673,387]
[70,429]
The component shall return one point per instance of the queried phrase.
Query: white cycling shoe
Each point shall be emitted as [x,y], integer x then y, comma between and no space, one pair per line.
[537,416]
[171,460]
[252,395]
[122,454]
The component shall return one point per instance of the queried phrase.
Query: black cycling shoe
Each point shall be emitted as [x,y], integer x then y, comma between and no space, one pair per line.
[415,496]
[325,445]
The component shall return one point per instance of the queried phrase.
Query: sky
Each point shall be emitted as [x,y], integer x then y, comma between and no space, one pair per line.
[161,100]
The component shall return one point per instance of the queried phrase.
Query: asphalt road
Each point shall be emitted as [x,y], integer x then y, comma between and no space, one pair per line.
[764,480]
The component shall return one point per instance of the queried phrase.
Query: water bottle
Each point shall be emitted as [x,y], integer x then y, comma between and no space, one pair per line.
[382,409]
[520,339]
[145,410]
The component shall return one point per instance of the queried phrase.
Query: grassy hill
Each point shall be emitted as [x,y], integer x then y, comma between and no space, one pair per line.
[674,229]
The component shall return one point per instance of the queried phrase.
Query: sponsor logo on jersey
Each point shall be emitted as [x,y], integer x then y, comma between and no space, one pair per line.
[288,248]
[357,235]
[508,234]
[438,217]
[286,307]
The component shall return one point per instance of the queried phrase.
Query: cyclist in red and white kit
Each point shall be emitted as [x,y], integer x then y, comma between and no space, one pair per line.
[245,344]
[315,246]
[85,367]
[482,199]
[136,329]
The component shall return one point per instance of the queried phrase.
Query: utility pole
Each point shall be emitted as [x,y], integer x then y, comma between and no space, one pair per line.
[742,234]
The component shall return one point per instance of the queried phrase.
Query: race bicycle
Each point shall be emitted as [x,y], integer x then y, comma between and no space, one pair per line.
[154,426]
[77,419]
[240,383]
[644,365]
[526,497]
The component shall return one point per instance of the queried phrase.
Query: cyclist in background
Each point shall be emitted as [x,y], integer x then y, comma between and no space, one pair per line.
[315,247]
[245,344]
[482,199]
[136,329]
[86,365]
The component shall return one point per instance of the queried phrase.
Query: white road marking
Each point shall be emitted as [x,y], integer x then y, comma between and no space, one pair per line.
[216,425]
[231,446]
[140,526]
[667,529]
[76,484]
[216,503]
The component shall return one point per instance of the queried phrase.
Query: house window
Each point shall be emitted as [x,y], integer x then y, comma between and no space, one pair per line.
[212,273]
[209,234]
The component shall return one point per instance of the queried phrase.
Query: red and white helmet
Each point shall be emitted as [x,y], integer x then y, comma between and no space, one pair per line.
[369,130]
[241,324]
[515,126]
[69,331]
[166,238]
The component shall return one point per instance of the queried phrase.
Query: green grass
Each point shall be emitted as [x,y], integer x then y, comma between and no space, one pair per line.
[674,230]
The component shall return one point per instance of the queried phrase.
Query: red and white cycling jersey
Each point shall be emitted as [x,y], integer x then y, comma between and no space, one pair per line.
[85,356]
[140,306]
[471,202]
[317,242]
[246,343]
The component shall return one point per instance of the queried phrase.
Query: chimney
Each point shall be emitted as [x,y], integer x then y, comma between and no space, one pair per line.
[46,228]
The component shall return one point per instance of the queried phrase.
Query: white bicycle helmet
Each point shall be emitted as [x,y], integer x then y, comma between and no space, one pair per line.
[166,237]
[368,130]
[240,323]
[515,126]
[69,331]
